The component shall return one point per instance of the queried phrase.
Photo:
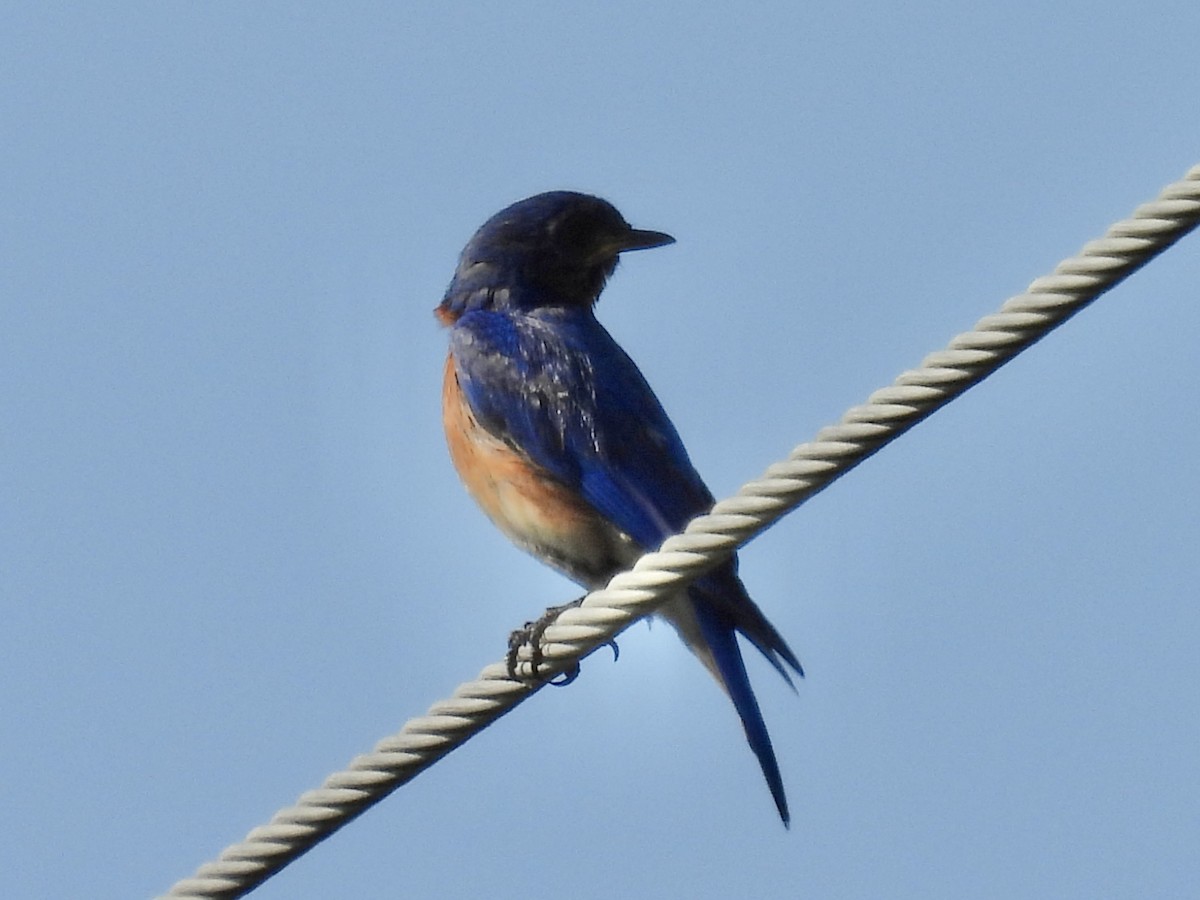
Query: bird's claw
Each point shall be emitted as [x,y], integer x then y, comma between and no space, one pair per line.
[532,634]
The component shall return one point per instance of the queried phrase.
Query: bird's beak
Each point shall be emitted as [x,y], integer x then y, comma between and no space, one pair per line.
[636,239]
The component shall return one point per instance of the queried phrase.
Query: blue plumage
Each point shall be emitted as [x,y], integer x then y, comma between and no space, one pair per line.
[563,443]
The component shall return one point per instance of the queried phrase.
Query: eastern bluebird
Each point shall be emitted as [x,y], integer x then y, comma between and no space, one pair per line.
[560,440]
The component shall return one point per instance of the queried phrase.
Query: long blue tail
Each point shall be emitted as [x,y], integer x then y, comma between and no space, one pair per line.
[722,610]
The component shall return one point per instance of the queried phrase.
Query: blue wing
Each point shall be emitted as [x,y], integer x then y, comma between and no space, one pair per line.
[567,396]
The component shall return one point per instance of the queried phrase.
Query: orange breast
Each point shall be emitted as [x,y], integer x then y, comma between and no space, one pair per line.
[528,504]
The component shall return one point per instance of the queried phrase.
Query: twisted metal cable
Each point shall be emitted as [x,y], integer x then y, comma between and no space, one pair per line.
[707,541]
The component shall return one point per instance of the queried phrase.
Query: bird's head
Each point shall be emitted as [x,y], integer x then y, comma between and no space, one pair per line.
[553,249]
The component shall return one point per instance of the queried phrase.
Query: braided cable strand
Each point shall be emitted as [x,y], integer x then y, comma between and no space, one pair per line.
[708,540]
[888,413]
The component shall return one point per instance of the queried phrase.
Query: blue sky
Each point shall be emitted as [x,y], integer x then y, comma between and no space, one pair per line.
[233,553]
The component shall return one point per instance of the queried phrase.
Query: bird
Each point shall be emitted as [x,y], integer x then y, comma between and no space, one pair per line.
[560,440]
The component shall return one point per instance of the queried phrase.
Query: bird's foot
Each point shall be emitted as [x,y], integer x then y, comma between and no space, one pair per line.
[532,634]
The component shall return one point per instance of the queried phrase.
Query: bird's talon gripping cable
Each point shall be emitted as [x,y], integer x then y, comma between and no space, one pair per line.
[531,635]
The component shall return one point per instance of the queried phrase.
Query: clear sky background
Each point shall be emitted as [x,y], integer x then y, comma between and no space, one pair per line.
[233,553]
